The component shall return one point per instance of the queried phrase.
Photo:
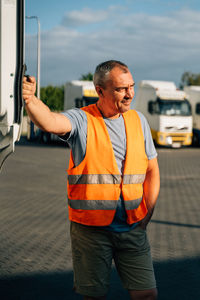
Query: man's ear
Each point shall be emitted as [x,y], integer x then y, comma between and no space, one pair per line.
[99,91]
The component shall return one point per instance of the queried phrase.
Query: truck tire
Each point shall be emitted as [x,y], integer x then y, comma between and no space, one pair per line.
[195,140]
[46,137]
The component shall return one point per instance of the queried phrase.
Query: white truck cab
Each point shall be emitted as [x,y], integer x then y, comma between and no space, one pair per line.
[167,111]
[12,69]
[193,94]
[79,93]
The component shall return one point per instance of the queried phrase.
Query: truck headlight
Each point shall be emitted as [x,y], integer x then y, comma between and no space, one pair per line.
[169,140]
[161,138]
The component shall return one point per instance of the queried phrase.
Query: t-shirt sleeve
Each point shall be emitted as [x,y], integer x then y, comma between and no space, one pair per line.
[78,122]
[78,135]
[149,144]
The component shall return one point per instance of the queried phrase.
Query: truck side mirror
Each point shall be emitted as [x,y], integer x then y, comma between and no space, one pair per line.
[78,102]
[151,107]
[198,108]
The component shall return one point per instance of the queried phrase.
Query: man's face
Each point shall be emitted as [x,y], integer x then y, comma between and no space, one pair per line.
[119,91]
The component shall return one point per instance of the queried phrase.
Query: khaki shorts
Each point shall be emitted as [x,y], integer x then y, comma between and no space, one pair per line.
[94,248]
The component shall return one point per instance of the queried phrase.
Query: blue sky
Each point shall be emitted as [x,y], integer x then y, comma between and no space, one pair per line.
[158,40]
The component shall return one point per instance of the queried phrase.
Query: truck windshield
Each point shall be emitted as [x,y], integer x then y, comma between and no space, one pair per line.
[174,107]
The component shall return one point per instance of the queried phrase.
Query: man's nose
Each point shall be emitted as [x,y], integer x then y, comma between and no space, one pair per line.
[130,92]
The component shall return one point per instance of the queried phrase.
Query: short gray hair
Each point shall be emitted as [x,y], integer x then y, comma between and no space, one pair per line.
[103,69]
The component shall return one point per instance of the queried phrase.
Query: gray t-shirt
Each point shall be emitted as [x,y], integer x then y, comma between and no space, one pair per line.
[77,140]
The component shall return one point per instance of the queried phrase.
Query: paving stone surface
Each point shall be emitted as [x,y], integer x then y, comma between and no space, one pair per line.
[35,255]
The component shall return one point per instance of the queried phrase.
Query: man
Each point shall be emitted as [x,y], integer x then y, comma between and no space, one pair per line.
[113,183]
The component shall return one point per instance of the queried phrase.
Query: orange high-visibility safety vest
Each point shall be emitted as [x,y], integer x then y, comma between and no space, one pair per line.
[95,185]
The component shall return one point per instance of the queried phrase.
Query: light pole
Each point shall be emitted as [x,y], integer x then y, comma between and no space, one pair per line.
[38,53]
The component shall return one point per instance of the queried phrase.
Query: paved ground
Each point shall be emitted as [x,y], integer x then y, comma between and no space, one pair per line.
[35,258]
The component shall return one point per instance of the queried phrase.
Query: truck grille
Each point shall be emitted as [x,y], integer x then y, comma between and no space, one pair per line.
[177,137]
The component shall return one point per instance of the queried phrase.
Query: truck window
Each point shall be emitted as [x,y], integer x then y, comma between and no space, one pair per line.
[150,107]
[198,108]
[153,107]
[174,107]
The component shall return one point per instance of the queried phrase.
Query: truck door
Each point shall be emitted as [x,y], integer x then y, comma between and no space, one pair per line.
[11,74]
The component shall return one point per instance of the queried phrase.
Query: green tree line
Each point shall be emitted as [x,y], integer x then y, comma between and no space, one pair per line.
[189,78]
[53,97]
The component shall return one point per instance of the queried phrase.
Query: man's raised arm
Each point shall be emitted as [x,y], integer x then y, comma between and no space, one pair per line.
[40,114]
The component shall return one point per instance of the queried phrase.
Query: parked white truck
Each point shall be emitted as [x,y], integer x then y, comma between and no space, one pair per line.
[79,93]
[167,111]
[193,94]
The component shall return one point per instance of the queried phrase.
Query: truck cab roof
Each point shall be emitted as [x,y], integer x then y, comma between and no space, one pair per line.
[165,90]
[163,85]
[83,83]
[194,88]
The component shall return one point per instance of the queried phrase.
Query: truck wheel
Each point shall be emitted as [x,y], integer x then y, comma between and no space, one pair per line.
[195,140]
[46,137]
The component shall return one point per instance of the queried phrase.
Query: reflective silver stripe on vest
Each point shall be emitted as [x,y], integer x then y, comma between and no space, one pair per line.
[132,204]
[106,179]
[133,179]
[93,204]
[94,179]
[102,204]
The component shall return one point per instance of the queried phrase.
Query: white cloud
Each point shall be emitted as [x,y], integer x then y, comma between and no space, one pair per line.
[154,47]
[86,16]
